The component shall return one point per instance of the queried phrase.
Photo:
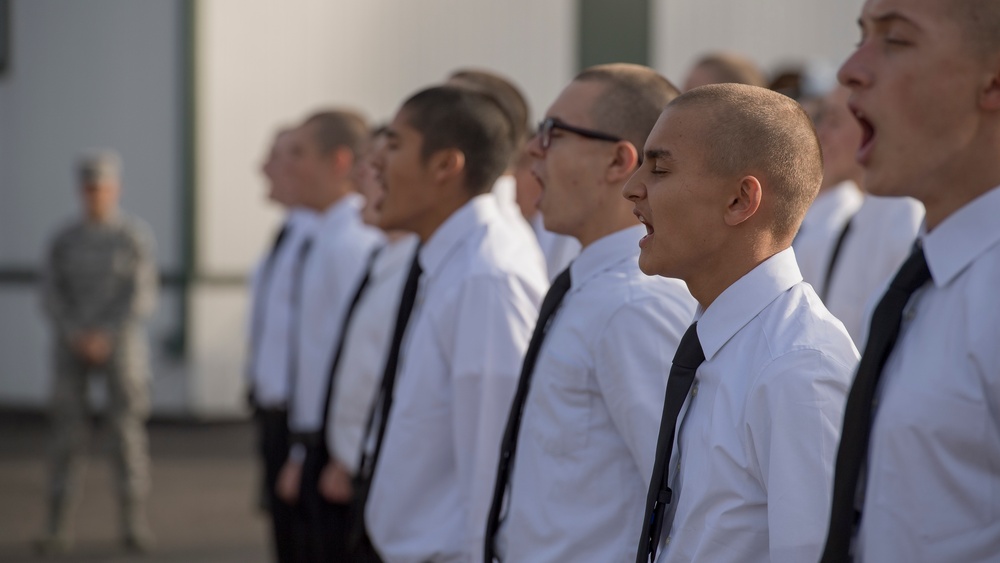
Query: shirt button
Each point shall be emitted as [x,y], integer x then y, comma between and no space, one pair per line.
[694,389]
[910,314]
[667,541]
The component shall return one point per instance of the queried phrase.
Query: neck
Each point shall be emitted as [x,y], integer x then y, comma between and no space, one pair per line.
[100,218]
[607,218]
[437,216]
[737,260]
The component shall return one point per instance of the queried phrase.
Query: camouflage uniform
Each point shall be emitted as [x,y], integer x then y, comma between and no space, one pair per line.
[101,277]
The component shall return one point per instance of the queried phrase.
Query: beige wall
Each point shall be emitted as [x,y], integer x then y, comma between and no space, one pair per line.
[263,64]
[771,32]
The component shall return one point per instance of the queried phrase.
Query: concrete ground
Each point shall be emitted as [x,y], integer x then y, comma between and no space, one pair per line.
[202,506]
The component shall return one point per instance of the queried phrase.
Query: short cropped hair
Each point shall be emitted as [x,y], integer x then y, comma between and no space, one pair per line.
[507,95]
[450,117]
[732,68]
[981,19]
[632,100]
[752,130]
[339,128]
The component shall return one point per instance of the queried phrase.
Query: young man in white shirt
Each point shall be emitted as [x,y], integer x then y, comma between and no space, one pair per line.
[851,263]
[268,343]
[729,171]
[481,284]
[322,171]
[359,371]
[587,410]
[917,471]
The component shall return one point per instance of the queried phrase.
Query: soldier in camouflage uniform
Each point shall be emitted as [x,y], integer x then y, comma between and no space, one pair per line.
[100,286]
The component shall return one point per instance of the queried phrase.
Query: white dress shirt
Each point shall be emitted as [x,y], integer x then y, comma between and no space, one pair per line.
[881,237]
[270,361]
[365,346]
[505,192]
[820,229]
[342,245]
[559,250]
[752,465]
[587,441]
[476,307]
[933,478]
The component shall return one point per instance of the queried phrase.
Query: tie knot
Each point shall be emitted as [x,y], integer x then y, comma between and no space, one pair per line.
[689,353]
[913,273]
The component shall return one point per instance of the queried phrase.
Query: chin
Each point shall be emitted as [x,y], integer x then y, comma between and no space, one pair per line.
[883,185]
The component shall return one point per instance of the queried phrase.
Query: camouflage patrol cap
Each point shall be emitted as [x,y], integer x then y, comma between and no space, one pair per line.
[99,166]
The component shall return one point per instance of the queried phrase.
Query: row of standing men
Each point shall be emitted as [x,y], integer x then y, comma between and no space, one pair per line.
[426,394]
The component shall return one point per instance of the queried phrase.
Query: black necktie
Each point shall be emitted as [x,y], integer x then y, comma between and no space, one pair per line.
[338,349]
[853,451]
[295,314]
[258,311]
[687,358]
[378,416]
[550,304]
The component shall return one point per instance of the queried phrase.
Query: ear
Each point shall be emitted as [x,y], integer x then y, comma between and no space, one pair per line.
[446,165]
[989,98]
[745,202]
[624,161]
[342,160]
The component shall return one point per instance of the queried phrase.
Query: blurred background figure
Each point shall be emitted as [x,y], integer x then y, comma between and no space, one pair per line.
[99,287]
[850,242]
[268,349]
[724,67]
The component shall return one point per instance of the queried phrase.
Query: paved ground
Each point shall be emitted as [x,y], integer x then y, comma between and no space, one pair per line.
[201,508]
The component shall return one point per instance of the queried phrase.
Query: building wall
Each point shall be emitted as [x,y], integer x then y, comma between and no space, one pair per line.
[773,33]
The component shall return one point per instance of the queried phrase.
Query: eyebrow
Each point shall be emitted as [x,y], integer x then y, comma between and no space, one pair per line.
[654,154]
[390,133]
[888,18]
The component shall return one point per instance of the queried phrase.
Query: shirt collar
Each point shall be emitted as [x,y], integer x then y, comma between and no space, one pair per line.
[745,299]
[394,254]
[605,253]
[303,220]
[827,202]
[962,237]
[341,211]
[454,231]
[505,189]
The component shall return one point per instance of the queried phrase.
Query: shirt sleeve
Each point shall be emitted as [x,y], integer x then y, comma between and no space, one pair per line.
[496,317]
[54,299]
[634,354]
[794,416]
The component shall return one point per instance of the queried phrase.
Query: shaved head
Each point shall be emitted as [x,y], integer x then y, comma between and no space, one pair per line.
[632,100]
[754,131]
[981,18]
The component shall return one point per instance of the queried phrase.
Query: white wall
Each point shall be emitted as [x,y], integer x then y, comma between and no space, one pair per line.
[263,64]
[771,32]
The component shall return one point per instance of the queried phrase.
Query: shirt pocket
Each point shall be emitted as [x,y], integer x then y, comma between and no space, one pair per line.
[561,397]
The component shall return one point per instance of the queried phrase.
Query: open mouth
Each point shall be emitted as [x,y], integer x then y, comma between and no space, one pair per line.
[645,223]
[863,156]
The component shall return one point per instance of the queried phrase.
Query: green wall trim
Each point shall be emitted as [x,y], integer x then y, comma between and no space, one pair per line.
[613,31]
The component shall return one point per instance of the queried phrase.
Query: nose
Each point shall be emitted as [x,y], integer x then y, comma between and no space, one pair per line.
[534,146]
[634,189]
[855,72]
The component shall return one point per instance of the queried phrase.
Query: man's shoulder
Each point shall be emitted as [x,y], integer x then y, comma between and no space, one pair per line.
[797,322]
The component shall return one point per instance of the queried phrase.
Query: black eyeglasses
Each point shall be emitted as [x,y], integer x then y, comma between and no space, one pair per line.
[545,132]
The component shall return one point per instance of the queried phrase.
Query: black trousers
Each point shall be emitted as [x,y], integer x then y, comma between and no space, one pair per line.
[326,524]
[274,443]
